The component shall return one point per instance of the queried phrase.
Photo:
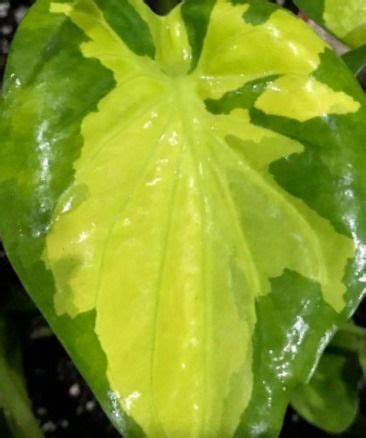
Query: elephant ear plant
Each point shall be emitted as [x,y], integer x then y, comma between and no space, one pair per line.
[183,197]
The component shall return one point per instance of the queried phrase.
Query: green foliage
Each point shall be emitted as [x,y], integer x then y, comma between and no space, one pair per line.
[330,400]
[16,415]
[356,59]
[184,200]
[346,19]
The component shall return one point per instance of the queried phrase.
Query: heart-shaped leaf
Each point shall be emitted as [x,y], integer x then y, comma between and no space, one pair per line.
[184,203]
[346,19]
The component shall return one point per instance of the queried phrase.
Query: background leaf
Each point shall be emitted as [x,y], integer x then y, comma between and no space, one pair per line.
[14,401]
[356,59]
[346,19]
[330,399]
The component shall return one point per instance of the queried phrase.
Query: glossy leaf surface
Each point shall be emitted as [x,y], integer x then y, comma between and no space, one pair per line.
[346,19]
[184,210]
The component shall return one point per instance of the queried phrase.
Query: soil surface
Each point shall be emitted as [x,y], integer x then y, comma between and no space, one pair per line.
[61,399]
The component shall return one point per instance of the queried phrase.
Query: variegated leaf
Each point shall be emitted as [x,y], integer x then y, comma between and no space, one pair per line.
[183,202]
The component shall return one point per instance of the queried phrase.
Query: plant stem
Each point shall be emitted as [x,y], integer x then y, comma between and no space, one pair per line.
[13,396]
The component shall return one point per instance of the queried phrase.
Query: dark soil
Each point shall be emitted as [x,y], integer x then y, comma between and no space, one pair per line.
[61,399]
